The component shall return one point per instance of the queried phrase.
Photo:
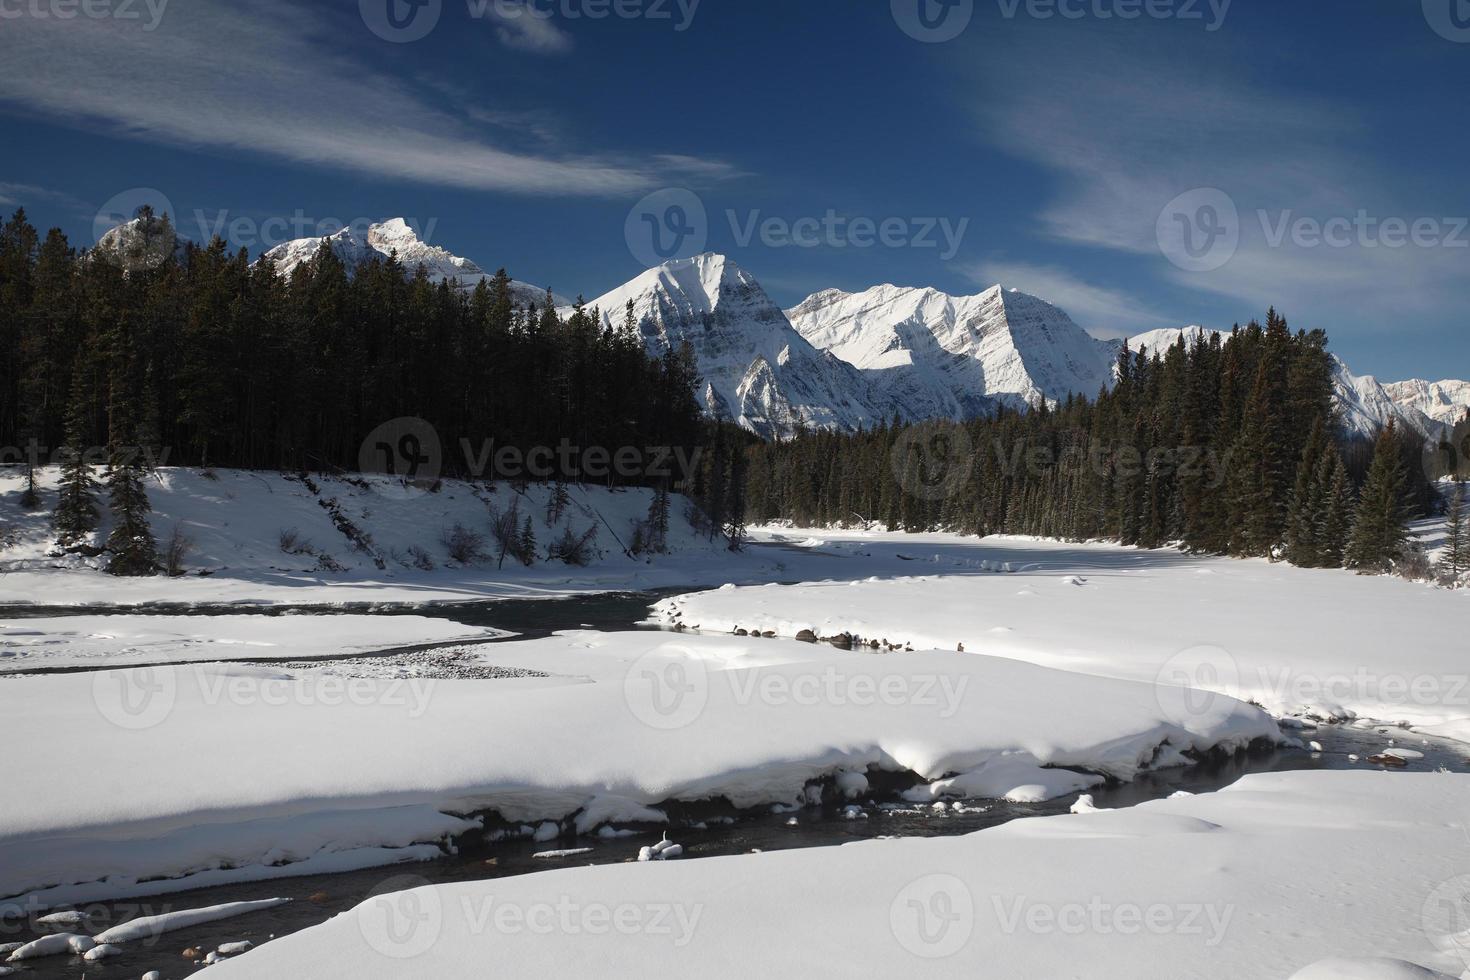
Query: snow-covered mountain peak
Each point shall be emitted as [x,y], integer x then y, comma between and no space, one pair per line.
[757,370]
[139,244]
[954,355]
[1446,402]
[396,237]
[696,285]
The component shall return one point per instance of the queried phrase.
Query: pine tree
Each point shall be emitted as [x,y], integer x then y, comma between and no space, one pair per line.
[526,546]
[1336,520]
[1456,558]
[1308,497]
[658,522]
[735,506]
[557,503]
[131,541]
[1255,507]
[1380,529]
[76,505]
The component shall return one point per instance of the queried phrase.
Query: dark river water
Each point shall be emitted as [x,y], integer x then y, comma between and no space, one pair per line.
[319,897]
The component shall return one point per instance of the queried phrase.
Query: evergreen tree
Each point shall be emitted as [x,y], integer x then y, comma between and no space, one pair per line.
[1336,521]
[76,504]
[1456,558]
[1380,528]
[130,543]
[1308,499]
[658,521]
[526,546]
[557,503]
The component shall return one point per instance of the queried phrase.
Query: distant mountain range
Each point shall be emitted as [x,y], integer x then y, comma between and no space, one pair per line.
[840,361]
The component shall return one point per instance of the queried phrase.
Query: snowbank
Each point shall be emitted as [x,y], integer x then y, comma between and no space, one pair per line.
[1260,880]
[170,771]
[149,926]
[1324,643]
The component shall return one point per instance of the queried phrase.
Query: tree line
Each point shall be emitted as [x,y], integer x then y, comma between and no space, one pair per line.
[1224,445]
[152,346]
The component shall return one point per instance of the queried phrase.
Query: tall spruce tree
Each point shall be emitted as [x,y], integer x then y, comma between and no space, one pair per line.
[1308,499]
[1336,520]
[1455,560]
[76,503]
[1381,526]
[130,543]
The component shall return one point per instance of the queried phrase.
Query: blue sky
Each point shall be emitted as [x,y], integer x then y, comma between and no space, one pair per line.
[1057,146]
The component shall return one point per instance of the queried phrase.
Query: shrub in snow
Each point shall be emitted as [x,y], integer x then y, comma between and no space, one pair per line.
[572,548]
[175,551]
[292,544]
[465,546]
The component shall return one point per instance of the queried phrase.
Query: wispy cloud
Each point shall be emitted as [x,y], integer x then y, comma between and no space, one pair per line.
[520,26]
[25,194]
[1102,311]
[256,78]
[1123,124]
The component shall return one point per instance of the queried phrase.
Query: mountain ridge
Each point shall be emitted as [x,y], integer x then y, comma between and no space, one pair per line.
[756,369]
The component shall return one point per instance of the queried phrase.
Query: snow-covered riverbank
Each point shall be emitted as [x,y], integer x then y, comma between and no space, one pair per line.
[191,770]
[1316,643]
[1079,662]
[1261,880]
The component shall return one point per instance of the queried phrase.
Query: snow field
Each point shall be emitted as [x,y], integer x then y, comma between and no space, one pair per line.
[1319,872]
[182,780]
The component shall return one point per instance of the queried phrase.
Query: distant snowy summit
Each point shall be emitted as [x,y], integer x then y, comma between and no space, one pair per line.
[957,357]
[141,243]
[840,361]
[755,368]
[395,236]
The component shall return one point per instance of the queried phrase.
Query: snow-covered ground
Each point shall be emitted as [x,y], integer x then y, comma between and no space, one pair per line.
[1260,880]
[1322,643]
[266,538]
[1078,662]
[192,770]
[113,641]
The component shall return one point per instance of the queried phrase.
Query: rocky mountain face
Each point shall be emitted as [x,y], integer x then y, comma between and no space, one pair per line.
[956,356]
[756,369]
